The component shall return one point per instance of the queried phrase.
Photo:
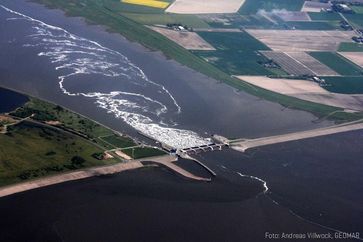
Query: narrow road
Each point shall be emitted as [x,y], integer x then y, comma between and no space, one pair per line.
[244,144]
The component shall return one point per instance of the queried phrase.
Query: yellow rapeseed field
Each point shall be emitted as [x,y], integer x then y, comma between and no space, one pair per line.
[149,3]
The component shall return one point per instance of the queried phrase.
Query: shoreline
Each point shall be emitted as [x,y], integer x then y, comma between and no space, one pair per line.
[164,160]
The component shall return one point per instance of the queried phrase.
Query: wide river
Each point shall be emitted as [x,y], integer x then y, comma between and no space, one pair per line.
[305,186]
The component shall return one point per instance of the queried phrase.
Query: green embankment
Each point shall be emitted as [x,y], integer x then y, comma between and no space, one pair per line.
[97,12]
[338,63]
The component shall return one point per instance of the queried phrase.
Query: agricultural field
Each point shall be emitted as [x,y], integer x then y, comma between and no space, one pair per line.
[347,85]
[358,9]
[148,3]
[293,16]
[324,16]
[252,6]
[301,40]
[238,21]
[312,64]
[313,25]
[305,90]
[289,64]
[236,62]
[355,19]
[204,7]
[310,6]
[355,57]
[338,63]
[186,39]
[241,41]
[237,53]
[350,47]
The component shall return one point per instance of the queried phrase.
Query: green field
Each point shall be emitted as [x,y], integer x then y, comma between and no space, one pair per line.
[338,63]
[347,85]
[29,151]
[357,9]
[350,47]
[313,25]
[236,53]
[118,141]
[236,62]
[252,6]
[239,41]
[241,21]
[150,19]
[355,19]
[138,153]
[323,16]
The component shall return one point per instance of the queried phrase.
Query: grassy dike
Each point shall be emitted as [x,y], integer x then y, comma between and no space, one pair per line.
[99,12]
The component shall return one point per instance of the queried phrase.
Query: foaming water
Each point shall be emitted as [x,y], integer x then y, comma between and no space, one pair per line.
[80,60]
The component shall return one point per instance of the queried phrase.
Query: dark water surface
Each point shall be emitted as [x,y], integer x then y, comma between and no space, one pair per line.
[10,100]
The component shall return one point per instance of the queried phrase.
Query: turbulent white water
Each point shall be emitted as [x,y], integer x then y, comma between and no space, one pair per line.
[81,61]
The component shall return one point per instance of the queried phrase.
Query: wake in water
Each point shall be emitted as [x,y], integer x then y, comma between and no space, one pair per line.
[86,66]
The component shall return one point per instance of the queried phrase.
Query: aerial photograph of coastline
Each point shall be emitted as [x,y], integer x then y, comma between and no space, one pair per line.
[181,120]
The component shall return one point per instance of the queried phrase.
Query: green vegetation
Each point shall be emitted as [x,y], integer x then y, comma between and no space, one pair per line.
[324,16]
[350,47]
[236,62]
[142,152]
[29,151]
[357,9]
[118,141]
[252,6]
[100,12]
[236,53]
[241,41]
[355,19]
[240,21]
[313,25]
[338,63]
[150,19]
[43,111]
[347,85]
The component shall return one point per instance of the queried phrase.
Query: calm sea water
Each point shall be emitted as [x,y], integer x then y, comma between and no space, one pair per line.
[317,179]
[10,100]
